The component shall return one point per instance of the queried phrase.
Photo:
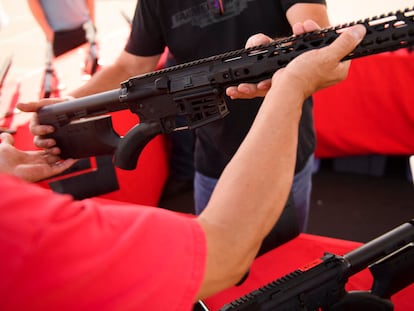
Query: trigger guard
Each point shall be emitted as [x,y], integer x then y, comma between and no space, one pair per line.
[131,145]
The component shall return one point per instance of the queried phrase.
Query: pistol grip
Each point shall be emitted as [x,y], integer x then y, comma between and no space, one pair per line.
[132,144]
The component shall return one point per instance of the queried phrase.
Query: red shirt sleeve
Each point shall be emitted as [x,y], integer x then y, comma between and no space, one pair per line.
[57,254]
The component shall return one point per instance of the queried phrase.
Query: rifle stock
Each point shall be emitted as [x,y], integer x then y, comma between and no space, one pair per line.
[196,89]
[321,284]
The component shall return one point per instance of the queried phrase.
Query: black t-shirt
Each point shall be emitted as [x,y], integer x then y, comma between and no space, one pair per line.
[194,29]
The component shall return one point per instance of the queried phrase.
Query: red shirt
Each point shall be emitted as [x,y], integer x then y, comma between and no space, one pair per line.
[57,254]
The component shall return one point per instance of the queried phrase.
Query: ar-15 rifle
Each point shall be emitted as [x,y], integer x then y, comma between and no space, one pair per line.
[321,284]
[196,90]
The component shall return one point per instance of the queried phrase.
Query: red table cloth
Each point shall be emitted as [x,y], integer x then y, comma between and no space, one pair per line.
[371,112]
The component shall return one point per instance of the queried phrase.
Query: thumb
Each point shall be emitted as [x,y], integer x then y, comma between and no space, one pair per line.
[35,106]
[28,107]
[347,41]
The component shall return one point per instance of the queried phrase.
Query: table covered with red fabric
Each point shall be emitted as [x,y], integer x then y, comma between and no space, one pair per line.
[304,249]
[371,112]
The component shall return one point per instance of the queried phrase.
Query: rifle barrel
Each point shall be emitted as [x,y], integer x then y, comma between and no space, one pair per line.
[380,247]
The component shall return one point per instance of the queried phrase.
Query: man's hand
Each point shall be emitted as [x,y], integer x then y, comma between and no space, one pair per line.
[249,90]
[31,166]
[321,68]
[48,144]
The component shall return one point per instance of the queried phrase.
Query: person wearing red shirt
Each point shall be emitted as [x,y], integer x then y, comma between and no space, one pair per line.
[60,254]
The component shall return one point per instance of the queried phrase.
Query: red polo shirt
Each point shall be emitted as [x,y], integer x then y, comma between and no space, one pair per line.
[57,254]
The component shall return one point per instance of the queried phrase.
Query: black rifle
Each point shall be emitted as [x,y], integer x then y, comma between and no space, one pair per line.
[196,90]
[321,284]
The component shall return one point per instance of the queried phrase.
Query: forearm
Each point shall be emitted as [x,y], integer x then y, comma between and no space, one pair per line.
[253,190]
[264,166]
[110,76]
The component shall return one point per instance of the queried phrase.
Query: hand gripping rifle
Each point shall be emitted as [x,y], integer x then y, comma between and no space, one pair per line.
[196,90]
[321,284]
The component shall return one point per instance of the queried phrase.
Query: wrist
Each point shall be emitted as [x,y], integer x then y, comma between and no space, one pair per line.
[291,85]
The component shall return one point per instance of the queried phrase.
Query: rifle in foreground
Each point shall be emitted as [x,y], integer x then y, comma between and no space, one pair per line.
[321,284]
[196,90]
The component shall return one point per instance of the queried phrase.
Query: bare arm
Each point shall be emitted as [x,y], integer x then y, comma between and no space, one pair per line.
[126,65]
[40,18]
[253,188]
